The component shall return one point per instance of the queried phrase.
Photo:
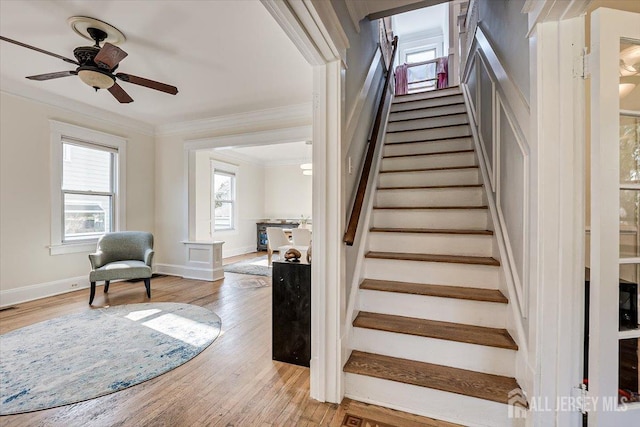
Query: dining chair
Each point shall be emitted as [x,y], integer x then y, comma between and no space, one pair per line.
[275,239]
[301,236]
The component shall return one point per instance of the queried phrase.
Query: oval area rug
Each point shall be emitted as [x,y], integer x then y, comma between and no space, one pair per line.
[86,355]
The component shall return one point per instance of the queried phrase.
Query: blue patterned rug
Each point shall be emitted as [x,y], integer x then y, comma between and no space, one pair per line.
[256,266]
[99,351]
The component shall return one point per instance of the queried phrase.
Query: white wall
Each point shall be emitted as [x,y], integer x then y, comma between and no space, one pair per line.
[172,214]
[250,189]
[506,27]
[287,192]
[25,206]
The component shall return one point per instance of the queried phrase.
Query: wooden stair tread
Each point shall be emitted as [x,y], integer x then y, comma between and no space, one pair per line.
[431,169]
[455,259]
[398,98]
[416,141]
[428,128]
[431,231]
[495,388]
[441,291]
[430,140]
[429,154]
[390,417]
[427,117]
[432,207]
[470,334]
[428,187]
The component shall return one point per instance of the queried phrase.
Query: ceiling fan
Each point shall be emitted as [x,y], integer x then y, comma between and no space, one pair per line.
[97,65]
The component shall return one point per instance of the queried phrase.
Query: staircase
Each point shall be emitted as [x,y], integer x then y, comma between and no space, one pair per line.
[429,336]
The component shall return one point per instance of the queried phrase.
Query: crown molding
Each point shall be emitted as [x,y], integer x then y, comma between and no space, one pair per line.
[41,96]
[271,117]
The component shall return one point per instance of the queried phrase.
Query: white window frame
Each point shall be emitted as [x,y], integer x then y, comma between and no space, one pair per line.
[61,132]
[421,49]
[226,169]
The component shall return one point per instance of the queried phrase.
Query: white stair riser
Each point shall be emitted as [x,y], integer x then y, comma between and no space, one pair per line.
[427,103]
[479,358]
[428,112]
[439,273]
[429,161]
[428,122]
[473,219]
[456,196]
[427,402]
[426,95]
[428,134]
[441,177]
[468,312]
[428,147]
[421,243]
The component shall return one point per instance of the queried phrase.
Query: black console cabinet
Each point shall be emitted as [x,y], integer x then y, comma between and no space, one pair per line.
[291,330]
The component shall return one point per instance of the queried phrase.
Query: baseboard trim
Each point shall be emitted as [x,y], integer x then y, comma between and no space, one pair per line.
[186,272]
[227,253]
[41,290]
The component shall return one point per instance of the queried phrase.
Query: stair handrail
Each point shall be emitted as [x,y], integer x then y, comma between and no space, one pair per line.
[352,226]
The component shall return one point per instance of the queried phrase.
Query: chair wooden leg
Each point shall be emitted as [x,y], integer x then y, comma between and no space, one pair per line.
[147,284]
[106,286]
[93,292]
[269,256]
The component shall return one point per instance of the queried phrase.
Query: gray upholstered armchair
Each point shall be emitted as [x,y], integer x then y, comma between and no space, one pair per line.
[122,255]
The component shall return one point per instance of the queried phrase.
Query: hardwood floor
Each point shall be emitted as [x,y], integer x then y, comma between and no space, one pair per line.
[234,382]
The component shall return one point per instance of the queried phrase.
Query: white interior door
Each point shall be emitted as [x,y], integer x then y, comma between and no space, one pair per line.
[614,339]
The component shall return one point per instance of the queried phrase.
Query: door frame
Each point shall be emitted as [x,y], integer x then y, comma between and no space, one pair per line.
[324,47]
[608,26]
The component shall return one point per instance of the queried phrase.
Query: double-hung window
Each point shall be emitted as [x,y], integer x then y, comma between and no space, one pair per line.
[223,198]
[87,187]
[88,192]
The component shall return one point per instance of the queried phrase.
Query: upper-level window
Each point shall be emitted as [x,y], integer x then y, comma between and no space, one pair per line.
[420,56]
[223,199]
[87,187]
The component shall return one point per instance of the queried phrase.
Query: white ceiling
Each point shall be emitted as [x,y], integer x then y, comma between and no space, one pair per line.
[225,57]
[271,155]
[420,20]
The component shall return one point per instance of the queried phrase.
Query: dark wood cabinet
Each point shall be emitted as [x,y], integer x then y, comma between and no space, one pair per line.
[291,329]
[261,228]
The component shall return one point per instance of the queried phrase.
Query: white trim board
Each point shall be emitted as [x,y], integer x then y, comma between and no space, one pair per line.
[22,294]
[187,272]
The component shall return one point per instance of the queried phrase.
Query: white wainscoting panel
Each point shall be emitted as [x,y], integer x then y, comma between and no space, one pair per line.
[486,118]
[512,197]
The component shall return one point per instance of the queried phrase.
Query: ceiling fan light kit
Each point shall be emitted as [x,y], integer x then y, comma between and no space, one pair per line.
[96,78]
[96,65]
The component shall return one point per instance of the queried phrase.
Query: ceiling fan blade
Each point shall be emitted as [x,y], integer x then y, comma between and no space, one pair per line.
[147,83]
[120,94]
[55,55]
[50,76]
[110,56]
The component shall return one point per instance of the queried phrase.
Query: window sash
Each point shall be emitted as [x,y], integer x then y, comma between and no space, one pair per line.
[89,236]
[232,201]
